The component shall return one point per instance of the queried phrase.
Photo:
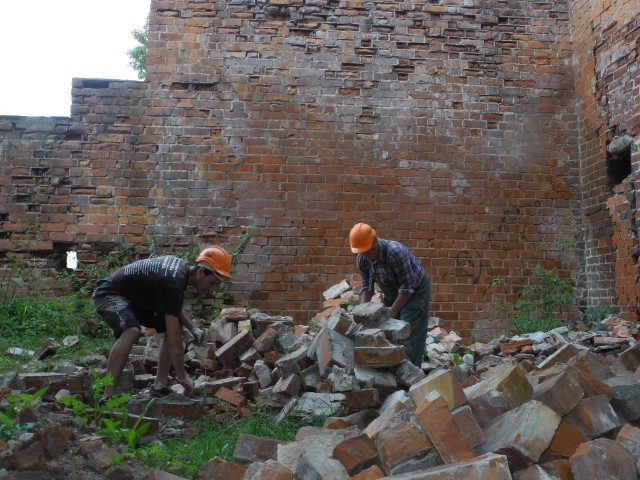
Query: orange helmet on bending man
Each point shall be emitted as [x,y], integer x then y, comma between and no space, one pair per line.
[361,237]
[216,259]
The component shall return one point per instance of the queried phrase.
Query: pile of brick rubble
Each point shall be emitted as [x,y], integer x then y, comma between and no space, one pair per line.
[549,405]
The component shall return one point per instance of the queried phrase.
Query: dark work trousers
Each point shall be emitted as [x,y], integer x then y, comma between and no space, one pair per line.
[416,313]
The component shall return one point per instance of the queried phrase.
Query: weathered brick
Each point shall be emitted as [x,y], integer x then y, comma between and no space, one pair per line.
[445,383]
[219,469]
[356,453]
[602,458]
[251,448]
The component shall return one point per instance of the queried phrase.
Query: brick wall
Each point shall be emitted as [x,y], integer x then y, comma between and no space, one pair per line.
[608,94]
[451,127]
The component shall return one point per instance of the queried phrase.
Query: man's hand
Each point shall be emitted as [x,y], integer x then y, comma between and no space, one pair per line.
[200,337]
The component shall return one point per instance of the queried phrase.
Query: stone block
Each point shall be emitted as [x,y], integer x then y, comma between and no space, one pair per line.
[485,467]
[372,473]
[232,397]
[336,290]
[234,314]
[404,447]
[265,341]
[630,358]
[333,349]
[445,383]
[507,388]
[370,314]
[396,330]
[387,415]
[626,396]
[289,385]
[468,425]
[602,458]
[228,354]
[361,399]
[219,469]
[554,470]
[356,453]
[594,416]
[408,374]
[629,438]
[268,470]
[379,357]
[561,392]
[436,420]
[562,355]
[592,371]
[566,440]
[341,322]
[522,434]
[251,448]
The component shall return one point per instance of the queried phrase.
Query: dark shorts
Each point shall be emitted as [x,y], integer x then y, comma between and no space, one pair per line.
[120,315]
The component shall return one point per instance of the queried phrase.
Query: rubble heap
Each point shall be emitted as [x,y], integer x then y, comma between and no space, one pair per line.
[547,405]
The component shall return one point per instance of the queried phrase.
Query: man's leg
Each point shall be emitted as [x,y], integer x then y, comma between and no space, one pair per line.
[119,355]
[416,313]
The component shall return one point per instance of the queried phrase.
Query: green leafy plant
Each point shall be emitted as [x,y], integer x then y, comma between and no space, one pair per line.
[16,403]
[111,416]
[138,54]
[543,305]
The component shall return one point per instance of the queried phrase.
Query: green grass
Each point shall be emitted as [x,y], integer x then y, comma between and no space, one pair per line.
[184,456]
[26,322]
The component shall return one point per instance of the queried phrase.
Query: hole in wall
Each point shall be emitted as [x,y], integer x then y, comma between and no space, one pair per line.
[618,159]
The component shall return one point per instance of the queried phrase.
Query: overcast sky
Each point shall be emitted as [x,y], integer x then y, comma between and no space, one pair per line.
[46,43]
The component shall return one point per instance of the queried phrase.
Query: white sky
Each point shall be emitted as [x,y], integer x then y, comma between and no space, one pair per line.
[46,43]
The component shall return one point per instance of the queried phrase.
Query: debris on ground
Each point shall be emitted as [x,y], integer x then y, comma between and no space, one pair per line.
[547,405]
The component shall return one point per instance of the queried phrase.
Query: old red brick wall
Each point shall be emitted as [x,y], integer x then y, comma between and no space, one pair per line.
[608,97]
[451,127]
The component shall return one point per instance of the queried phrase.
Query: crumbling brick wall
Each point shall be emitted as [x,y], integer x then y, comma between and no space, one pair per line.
[451,127]
[608,94]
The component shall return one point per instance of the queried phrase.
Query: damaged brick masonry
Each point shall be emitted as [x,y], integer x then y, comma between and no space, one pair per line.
[487,136]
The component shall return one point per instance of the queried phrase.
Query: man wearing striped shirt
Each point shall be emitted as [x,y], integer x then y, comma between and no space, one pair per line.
[404,283]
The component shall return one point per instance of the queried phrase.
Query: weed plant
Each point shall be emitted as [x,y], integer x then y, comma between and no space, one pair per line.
[184,456]
[547,303]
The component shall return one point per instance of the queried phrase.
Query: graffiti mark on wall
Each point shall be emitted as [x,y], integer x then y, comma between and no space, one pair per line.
[470,265]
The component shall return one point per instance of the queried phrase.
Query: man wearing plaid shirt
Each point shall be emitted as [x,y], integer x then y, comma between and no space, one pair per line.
[404,282]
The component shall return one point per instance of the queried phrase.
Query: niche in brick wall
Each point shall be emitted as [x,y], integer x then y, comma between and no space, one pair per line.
[618,160]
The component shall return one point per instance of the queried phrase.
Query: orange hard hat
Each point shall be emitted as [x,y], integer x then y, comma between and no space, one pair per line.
[361,237]
[216,259]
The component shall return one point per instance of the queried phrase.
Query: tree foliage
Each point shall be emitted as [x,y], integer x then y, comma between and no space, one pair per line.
[138,54]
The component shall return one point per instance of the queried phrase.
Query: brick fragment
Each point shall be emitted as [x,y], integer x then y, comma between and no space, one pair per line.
[443,432]
[269,470]
[219,469]
[445,383]
[566,440]
[228,354]
[251,448]
[522,434]
[356,453]
[231,397]
[602,458]
[594,416]
[404,447]
[561,392]
[379,357]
